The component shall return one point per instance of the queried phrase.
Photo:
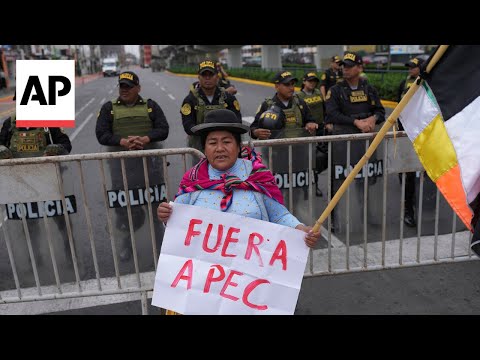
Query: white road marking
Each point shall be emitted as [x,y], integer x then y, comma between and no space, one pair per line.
[248,119]
[110,91]
[163,88]
[103,101]
[84,106]
[77,131]
[157,84]
[171,96]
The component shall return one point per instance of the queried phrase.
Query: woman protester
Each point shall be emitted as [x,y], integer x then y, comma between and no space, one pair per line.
[232,179]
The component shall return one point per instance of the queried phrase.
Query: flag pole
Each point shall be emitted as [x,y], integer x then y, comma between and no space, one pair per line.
[377,140]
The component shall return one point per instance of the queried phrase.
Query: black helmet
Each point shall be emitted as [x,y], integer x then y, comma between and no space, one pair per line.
[272,119]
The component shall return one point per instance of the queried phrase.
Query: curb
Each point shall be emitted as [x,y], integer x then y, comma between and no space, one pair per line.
[385,103]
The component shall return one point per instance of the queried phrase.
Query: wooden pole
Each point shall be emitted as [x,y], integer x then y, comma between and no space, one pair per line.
[377,140]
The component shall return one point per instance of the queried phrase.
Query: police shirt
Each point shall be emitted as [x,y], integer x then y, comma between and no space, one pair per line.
[189,115]
[104,128]
[58,136]
[306,114]
[330,78]
[341,102]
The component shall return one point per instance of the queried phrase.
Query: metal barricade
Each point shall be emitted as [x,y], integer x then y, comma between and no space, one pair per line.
[369,232]
[76,193]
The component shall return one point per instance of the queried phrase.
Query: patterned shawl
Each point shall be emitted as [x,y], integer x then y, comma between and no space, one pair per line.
[260,180]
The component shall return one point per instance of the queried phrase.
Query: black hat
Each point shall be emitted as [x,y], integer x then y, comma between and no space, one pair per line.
[207,65]
[351,59]
[336,59]
[310,75]
[412,63]
[284,77]
[129,78]
[221,119]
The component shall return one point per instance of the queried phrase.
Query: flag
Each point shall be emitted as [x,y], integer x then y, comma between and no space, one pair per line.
[442,120]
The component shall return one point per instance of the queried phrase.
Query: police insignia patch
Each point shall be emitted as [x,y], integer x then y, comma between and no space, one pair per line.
[323,77]
[329,93]
[186,109]
[237,105]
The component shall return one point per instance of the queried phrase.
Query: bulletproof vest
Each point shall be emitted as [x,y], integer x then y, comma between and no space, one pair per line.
[27,143]
[408,82]
[202,109]
[131,120]
[315,104]
[293,118]
[356,103]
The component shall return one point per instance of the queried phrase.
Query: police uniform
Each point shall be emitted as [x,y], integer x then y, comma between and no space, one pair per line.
[196,105]
[317,108]
[117,120]
[34,142]
[296,113]
[331,77]
[409,215]
[343,106]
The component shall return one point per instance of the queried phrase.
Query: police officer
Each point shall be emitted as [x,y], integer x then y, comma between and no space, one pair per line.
[131,122]
[314,99]
[409,214]
[331,76]
[223,79]
[203,98]
[25,142]
[352,107]
[298,120]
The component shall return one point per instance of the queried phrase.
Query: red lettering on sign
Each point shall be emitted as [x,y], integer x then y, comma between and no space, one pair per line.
[191,233]
[280,253]
[229,282]
[210,277]
[228,240]
[250,287]
[207,236]
[252,245]
[187,267]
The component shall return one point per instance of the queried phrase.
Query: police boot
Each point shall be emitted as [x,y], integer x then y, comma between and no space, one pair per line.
[409,217]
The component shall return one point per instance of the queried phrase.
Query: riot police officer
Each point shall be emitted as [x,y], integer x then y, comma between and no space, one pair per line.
[314,99]
[352,106]
[25,142]
[298,118]
[203,98]
[223,79]
[331,76]
[414,66]
[131,122]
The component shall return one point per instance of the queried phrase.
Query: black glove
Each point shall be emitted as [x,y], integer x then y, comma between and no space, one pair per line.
[5,153]
[54,150]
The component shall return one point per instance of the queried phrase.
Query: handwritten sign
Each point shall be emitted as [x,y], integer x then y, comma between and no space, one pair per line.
[219,263]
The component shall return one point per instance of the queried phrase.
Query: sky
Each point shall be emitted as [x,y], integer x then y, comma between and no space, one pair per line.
[134,49]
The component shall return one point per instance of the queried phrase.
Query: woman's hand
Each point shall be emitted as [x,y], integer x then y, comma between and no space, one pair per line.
[164,211]
[312,237]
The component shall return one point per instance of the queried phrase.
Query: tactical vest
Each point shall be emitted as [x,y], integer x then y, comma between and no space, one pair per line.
[315,104]
[131,120]
[202,109]
[408,82]
[27,143]
[293,118]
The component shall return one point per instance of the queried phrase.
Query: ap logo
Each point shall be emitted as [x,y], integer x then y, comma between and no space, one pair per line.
[45,93]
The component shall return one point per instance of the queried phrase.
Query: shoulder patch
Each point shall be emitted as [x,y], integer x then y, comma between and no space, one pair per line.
[237,105]
[111,112]
[324,76]
[149,110]
[186,109]
[329,93]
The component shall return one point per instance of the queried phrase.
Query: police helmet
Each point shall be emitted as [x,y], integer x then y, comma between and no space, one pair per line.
[272,119]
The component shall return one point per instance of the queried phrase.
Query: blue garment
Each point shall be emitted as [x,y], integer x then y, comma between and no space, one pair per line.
[243,201]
